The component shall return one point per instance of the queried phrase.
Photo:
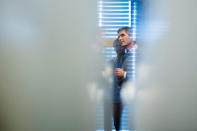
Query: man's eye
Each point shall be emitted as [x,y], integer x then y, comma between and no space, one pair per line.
[122,35]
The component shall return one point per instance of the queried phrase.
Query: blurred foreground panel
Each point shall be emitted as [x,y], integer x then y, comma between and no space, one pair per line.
[46,64]
[166,98]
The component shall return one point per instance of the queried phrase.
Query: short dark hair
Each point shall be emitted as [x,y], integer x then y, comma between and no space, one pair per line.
[127,29]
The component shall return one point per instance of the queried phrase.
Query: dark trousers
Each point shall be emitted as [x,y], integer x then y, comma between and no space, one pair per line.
[117,111]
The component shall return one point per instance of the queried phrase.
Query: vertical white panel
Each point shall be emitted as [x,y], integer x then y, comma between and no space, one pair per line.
[48,64]
[166,99]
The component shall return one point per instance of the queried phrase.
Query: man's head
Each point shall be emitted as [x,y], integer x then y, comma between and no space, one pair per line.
[124,36]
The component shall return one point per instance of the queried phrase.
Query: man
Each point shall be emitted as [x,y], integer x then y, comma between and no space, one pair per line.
[123,70]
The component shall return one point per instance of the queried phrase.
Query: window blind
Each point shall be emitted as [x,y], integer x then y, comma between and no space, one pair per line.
[113,14]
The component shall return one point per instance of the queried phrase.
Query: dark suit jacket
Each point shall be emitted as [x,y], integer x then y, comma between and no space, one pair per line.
[128,63]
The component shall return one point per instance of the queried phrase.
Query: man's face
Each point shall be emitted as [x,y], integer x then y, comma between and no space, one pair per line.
[124,38]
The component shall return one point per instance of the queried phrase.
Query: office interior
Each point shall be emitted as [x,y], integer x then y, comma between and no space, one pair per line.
[53,71]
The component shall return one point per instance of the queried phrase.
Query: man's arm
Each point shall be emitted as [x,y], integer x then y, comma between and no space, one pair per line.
[119,72]
[121,75]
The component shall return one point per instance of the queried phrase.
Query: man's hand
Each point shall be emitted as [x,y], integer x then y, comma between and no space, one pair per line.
[119,72]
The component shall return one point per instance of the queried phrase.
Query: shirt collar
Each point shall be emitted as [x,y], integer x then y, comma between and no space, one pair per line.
[131,49]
